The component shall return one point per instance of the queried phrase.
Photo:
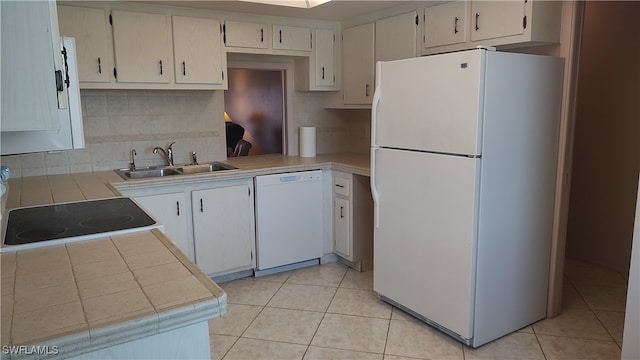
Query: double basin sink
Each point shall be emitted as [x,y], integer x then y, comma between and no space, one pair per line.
[160,171]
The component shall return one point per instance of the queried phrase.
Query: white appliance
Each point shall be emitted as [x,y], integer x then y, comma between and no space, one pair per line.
[70,134]
[463,169]
[288,220]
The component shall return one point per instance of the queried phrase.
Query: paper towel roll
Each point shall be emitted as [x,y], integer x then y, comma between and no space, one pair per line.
[307,141]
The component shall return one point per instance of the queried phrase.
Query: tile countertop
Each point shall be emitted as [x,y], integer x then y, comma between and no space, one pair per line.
[88,295]
[85,296]
[51,189]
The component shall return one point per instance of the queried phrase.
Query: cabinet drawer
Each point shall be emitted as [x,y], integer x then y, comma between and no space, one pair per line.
[342,185]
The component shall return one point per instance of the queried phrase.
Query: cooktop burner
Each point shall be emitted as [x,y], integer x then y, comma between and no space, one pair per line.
[28,225]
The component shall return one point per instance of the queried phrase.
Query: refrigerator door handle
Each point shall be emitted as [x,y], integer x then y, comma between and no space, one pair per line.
[375,103]
[374,190]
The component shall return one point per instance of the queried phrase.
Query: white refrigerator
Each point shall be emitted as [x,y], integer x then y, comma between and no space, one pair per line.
[463,174]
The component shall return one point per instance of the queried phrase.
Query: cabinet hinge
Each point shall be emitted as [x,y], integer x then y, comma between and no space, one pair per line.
[110,20]
[417,19]
[524,22]
[115,73]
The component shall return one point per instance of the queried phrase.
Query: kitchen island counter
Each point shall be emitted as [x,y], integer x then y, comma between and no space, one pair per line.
[114,296]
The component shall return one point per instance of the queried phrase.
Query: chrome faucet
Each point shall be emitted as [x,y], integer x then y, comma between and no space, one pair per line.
[132,164]
[166,155]
[170,153]
[194,160]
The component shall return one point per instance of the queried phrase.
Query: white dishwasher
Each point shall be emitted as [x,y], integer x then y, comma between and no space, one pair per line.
[288,219]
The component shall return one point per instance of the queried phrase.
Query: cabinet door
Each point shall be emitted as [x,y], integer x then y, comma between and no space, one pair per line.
[141,45]
[29,45]
[396,37]
[243,34]
[445,24]
[358,64]
[291,38]
[170,210]
[342,227]
[88,26]
[325,53]
[197,50]
[492,19]
[224,228]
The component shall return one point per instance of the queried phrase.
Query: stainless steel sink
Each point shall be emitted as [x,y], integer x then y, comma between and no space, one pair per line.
[160,171]
[214,166]
[147,173]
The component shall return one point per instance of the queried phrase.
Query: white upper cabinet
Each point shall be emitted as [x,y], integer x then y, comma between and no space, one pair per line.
[29,47]
[325,57]
[291,38]
[396,37]
[358,64]
[89,27]
[493,19]
[141,46]
[198,53]
[460,25]
[445,24]
[246,35]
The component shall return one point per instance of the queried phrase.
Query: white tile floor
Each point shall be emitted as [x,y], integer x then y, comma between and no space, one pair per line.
[331,312]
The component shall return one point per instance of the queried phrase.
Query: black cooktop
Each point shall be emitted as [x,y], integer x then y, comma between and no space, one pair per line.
[33,224]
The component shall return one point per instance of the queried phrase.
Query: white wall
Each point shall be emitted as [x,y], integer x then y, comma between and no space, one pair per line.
[631,340]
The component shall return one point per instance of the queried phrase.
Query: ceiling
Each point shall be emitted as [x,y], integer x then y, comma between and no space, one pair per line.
[336,10]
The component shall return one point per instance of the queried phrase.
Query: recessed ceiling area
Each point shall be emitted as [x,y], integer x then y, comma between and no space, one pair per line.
[336,10]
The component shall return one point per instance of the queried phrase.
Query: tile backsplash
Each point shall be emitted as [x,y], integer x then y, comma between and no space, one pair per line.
[117,121]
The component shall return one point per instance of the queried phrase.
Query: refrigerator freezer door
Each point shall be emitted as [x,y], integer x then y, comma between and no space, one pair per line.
[431,103]
[424,242]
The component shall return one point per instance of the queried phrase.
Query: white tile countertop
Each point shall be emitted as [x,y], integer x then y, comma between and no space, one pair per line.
[86,296]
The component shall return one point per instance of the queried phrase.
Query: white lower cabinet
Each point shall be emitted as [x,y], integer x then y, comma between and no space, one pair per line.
[353,220]
[224,228]
[211,222]
[170,210]
[342,226]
